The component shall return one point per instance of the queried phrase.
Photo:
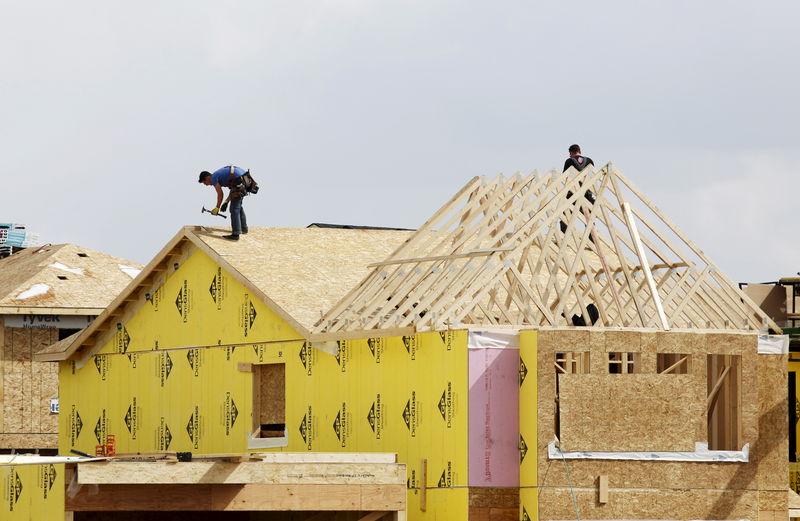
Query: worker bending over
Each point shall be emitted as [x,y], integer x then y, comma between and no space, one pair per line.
[231,177]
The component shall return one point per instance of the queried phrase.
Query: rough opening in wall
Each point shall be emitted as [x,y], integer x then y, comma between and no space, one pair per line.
[64,333]
[568,363]
[624,363]
[724,402]
[673,363]
[269,405]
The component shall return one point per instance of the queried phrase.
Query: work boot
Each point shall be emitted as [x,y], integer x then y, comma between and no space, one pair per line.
[244,230]
[231,237]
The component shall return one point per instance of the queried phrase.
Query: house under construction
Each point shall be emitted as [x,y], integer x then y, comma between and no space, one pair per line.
[46,294]
[544,347]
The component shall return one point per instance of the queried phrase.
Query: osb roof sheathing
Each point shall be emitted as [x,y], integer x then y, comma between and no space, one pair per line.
[305,271]
[298,272]
[62,278]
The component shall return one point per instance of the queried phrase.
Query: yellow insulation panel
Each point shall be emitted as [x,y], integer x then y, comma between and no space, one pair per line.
[528,407]
[32,492]
[153,390]
[199,304]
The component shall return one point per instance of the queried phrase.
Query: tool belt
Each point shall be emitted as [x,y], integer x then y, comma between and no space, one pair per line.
[242,185]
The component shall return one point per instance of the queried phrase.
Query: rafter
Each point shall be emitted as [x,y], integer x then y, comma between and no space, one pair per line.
[536,250]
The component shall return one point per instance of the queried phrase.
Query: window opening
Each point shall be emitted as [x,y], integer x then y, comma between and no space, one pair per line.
[624,363]
[673,363]
[724,403]
[269,401]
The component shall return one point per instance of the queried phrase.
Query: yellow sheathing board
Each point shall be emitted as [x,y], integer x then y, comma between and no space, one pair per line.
[32,492]
[199,304]
[528,406]
[402,394]
[529,504]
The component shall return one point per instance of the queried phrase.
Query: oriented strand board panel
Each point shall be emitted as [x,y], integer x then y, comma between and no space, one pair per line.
[627,412]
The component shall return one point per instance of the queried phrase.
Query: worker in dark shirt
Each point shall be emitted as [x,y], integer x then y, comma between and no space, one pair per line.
[576,159]
[580,162]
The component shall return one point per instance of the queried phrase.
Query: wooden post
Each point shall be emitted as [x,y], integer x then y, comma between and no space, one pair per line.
[602,489]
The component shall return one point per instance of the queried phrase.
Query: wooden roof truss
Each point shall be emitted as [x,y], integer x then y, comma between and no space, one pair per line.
[536,251]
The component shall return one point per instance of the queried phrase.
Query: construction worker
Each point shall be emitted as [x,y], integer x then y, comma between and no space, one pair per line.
[576,159]
[580,162]
[229,177]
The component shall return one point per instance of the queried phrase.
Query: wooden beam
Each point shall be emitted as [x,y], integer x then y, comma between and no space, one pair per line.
[252,497]
[151,473]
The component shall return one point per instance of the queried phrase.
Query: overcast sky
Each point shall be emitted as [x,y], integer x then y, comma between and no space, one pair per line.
[370,112]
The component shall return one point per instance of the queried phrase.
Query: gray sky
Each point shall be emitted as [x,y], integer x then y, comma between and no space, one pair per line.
[370,112]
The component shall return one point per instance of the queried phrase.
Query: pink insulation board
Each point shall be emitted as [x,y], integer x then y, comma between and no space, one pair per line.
[493,416]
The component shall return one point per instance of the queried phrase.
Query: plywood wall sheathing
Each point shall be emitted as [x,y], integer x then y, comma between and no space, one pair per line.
[675,490]
[27,387]
[533,250]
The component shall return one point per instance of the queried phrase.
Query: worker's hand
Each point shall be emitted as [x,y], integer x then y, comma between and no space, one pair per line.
[224,207]
[215,211]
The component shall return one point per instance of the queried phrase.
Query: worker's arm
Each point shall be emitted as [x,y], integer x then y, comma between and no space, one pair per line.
[567,164]
[218,188]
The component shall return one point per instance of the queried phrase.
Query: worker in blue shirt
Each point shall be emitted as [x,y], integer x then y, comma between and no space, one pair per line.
[230,178]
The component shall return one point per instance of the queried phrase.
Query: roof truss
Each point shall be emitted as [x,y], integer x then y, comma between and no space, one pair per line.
[537,251]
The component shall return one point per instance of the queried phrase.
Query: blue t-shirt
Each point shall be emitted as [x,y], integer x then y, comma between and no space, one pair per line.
[223,175]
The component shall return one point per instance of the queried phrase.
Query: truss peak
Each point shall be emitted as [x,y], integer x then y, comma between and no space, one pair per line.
[555,249]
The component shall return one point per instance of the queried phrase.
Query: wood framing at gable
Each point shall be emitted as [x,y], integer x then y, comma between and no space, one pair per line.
[571,248]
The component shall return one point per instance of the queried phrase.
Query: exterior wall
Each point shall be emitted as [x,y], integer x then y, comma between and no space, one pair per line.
[669,490]
[155,388]
[27,387]
[32,492]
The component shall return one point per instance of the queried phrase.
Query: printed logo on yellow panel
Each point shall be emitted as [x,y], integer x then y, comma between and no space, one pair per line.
[75,426]
[307,429]
[156,298]
[375,417]
[307,357]
[13,489]
[342,354]
[47,476]
[410,414]
[164,436]
[101,363]
[193,427]
[411,346]
[195,358]
[247,315]
[184,301]
[446,480]
[132,418]
[447,338]
[101,428]
[342,425]
[376,347]
[122,340]
[446,405]
[231,413]
[525,516]
[523,448]
[164,367]
[133,358]
[412,482]
[523,371]
[218,288]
